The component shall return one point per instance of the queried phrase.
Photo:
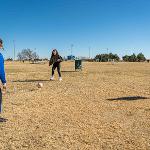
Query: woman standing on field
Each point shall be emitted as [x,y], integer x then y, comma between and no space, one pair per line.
[2,75]
[55,60]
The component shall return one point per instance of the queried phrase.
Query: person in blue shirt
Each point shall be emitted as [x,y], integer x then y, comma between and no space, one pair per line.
[2,74]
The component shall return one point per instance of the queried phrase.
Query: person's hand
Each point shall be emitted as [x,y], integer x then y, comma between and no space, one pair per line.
[4,86]
[50,63]
[58,60]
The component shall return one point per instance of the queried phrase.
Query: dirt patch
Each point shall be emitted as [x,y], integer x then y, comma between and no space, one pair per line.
[102,107]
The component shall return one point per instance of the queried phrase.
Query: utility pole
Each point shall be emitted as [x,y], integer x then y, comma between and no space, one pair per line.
[107,50]
[89,52]
[14,50]
[71,48]
[108,53]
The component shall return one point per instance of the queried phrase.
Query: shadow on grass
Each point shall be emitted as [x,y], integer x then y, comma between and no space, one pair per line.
[30,80]
[130,98]
[68,71]
[3,120]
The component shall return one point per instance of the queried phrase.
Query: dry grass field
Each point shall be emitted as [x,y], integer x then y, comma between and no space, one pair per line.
[103,107]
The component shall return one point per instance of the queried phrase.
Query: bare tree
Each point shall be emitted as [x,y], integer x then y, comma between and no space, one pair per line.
[27,54]
[20,58]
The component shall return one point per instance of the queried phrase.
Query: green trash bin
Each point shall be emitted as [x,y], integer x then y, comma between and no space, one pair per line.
[78,64]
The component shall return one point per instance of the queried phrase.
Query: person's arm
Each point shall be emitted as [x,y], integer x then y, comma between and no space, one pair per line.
[60,59]
[2,72]
[51,61]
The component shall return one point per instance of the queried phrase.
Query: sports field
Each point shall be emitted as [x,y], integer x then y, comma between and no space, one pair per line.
[103,107]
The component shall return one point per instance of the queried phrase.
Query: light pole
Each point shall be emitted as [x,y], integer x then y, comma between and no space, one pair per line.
[14,50]
[89,52]
[72,48]
[108,53]
[107,50]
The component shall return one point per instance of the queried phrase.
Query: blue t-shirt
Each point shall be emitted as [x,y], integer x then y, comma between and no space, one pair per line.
[2,70]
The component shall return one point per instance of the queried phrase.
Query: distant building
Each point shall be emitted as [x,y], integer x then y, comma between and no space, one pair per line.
[70,57]
[86,59]
[83,58]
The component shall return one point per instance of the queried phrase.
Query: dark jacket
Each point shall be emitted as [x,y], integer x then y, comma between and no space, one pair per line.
[55,59]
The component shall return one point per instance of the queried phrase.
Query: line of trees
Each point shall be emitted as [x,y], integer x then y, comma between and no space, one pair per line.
[106,57]
[30,55]
[127,58]
[134,58]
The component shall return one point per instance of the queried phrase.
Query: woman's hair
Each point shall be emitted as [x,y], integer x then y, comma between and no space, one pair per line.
[1,41]
[55,51]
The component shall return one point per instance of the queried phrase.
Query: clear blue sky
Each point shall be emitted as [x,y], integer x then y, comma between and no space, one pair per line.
[122,26]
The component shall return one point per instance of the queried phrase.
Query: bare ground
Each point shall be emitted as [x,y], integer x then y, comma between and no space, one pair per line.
[103,107]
